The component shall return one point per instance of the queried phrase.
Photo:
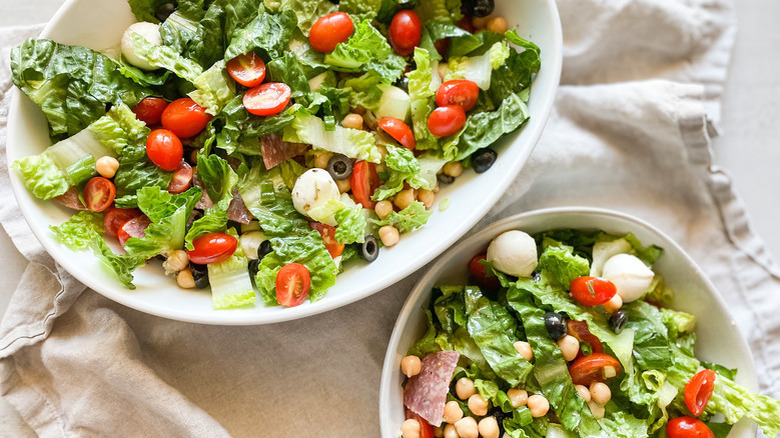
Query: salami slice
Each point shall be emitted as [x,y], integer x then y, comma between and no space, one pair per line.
[276,151]
[237,210]
[426,393]
[71,199]
[135,227]
[205,201]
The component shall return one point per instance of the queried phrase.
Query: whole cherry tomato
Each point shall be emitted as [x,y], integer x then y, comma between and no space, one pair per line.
[116,217]
[150,109]
[461,92]
[267,99]
[688,427]
[364,180]
[212,248]
[328,234]
[592,291]
[99,194]
[699,390]
[330,30]
[185,118]
[478,271]
[247,69]
[399,130]
[446,120]
[292,284]
[597,367]
[182,177]
[164,148]
[405,32]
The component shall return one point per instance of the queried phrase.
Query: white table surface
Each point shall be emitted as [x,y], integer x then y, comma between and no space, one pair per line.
[747,147]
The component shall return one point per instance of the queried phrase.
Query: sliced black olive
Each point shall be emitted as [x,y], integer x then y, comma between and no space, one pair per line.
[403,83]
[499,415]
[264,249]
[445,179]
[536,276]
[164,11]
[483,8]
[200,273]
[618,320]
[483,159]
[556,325]
[254,266]
[340,167]
[370,249]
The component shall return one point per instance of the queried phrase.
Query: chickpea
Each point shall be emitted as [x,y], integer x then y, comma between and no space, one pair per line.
[321,160]
[411,365]
[464,388]
[478,405]
[597,410]
[389,235]
[427,197]
[344,185]
[614,304]
[583,392]
[480,22]
[524,348]
[488,427]
[383,209]
[600,393]
[452,412]
[353,121]
[453,169]
[497,25]
[538,405]
[107,166]
[450,432]
[467,428]
[410,428]
[176,261]
[194,156]
[518,397]
[404,198]
[569,346]
[185,280]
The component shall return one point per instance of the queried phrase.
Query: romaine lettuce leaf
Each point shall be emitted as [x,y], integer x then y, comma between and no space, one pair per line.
[406,220]
[220,180]
[360,10]
[231,285]
[561,262]
[440,10]
[267,197]
[351,225]
[270,33]
[307,11]
[353,143]
[42,176]
[165,57]
[422,90]
[213,89]
[241,130]
[484,128]
[367,50]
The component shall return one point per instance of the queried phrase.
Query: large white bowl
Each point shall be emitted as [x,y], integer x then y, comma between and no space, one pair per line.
[718,339]
[99,25]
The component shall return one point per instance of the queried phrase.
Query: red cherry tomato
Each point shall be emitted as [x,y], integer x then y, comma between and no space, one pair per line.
[399,130]
[688,427]
[446,120]
[426,429]
[150,109]
[99,194]
[133,228]
[247,69]
[364,181]
[592,291]
[328,234]
[164,149]
[185,118]
[116,217]
[405,32]
[597,367]
[182,177]
[212,248]
[478,271]
[330,30]
[699,390]
[579,329]
[461,92]
[292,284]
[267,99]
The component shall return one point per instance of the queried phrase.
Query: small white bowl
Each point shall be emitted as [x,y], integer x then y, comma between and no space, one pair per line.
[718,339]
[471,196]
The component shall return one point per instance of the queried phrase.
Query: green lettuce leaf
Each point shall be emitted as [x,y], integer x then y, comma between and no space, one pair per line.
[267,197]
[231,285]
[422,90]
[351,225]
[213,89]
[219,179]
[561,262]
[270,34]
[353,143]
[406,220]
[167,58]
[306,11]
[367,50]
[360,10]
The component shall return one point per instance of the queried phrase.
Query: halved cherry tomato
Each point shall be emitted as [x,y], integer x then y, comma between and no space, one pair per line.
[267,99]
[405,32]
[328,234]
[579,329]
[597,367]
[247,69]
[688,427]
[212,248]
[133,228]
[478,271]
[330,30]
[185,118]
[99,194]
[446,120]
[164,149]
[699,390]
[182,177]
[592,291]
[292,284]
[426,429]
[150,109]
[364,181]
[461,92]
[399,130]
[116,217]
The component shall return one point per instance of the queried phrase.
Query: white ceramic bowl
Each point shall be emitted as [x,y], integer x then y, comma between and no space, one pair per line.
[718,339]
[471,196]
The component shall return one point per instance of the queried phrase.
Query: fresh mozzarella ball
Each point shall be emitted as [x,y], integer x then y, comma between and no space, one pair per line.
[314,189]
[631,276]
[514,253]
[150,32]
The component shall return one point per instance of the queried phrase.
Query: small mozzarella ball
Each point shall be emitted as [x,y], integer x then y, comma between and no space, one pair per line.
[383,209]
[450,432]
[525,350]
[464,388]
[250,242]
[467,427]
[614,304]
[518,397]
[514,253]
[488,427]
[176,261]
[478,405]
[411,365]
[410,428]
[404,198]
[107,166]
[427,197]
[344,185]
[185,280]
[583,392]
[630,275]
[452,412]
[353,121]
[497,25]
[389,235]
[453,169]
[600,393]
[538,405]
[597,410]
[314,189]
[321,160]
[150,32]
[569,346]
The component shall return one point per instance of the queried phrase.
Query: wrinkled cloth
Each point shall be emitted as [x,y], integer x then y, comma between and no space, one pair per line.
[631,131]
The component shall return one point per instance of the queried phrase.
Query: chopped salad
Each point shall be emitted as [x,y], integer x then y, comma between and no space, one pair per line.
[261,145]
[564,334]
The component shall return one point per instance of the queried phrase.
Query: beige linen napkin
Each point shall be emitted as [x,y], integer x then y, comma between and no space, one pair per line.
[629,132]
